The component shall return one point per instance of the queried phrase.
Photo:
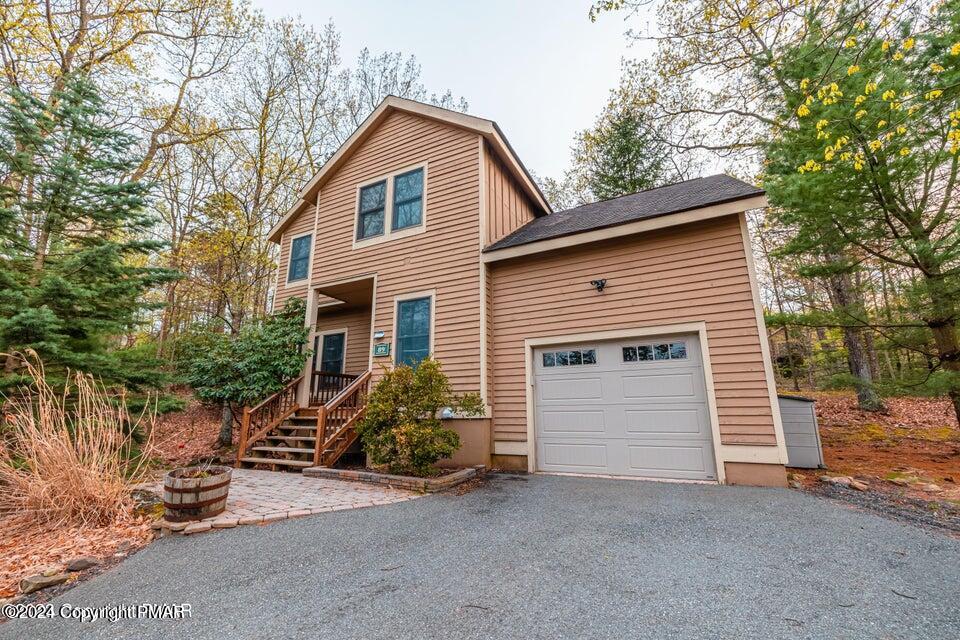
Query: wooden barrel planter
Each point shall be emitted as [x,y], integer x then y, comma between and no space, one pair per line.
[195,493]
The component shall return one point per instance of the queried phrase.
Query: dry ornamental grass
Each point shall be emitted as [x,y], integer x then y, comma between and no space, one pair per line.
[68,458]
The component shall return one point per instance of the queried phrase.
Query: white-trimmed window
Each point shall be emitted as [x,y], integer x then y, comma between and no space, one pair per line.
[391,206]
[413,327]
[299,267]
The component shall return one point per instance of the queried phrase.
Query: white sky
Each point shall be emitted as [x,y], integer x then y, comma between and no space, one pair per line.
[540,68]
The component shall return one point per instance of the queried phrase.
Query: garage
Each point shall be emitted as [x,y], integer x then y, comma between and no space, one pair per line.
[626,407]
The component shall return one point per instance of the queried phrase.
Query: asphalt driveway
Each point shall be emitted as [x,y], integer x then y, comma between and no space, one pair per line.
[545,557]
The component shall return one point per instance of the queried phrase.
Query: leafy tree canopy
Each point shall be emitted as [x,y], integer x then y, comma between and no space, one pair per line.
[245,368]
[866,163]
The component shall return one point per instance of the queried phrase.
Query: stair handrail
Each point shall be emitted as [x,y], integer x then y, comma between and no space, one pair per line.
[266,415]
[351,390]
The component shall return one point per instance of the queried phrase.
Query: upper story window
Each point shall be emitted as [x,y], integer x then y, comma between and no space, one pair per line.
[391,207]
[373,199]
[408,199]
[299,259]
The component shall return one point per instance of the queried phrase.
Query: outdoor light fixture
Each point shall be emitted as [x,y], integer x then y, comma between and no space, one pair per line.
[378,334]
[599,284]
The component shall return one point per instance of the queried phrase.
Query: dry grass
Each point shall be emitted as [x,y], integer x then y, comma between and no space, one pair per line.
[65,456]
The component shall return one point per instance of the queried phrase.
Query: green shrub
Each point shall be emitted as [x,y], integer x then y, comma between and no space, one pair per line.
[401,428]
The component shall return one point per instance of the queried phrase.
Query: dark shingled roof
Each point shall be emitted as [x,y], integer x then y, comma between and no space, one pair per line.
[652,203]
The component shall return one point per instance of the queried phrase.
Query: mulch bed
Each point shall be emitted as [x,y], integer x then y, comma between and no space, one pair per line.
[913,437]
[182,437]
[27,548]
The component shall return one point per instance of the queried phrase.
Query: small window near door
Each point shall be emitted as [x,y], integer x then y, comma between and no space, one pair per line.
[299,259]
[413,331]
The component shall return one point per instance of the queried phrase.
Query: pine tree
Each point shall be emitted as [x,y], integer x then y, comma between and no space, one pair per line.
[620,155]
[73,236]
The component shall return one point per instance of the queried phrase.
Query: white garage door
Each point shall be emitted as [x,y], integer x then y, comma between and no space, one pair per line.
[630,407]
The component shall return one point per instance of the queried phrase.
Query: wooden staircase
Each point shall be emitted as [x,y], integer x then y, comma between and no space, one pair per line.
[278,434]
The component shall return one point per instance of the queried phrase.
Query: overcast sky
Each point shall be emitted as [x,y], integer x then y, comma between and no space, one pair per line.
[540,68]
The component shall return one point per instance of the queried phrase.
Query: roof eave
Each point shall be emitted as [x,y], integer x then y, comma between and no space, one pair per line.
[662,221]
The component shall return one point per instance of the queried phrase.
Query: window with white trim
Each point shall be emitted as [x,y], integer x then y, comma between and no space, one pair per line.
[408,199]
[391,205]
[299,259]
[373,200]
[413,330]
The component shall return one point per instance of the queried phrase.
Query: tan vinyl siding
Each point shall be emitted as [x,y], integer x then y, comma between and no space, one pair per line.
[357,323]
[697,272]
[444,258]
[302,224]
[507,206]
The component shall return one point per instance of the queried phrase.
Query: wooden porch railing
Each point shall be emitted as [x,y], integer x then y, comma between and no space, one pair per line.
[325,385]
[259,420]
[337,418]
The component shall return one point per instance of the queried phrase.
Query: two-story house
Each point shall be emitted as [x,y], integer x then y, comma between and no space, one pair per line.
[620,338]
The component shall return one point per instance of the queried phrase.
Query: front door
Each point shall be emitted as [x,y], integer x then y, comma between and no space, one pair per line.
[330,348]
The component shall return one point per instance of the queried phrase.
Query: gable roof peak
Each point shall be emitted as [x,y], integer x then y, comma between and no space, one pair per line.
[488,129]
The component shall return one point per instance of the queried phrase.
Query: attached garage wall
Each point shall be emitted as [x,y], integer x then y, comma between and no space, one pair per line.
[696,272]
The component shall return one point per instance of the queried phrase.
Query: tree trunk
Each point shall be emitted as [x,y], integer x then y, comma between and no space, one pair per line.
[942,321]
[844,297]
[870,347]
[948,348]
[226,426]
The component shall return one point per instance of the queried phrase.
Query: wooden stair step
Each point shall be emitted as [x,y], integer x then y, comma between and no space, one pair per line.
[280,461]
[296,426]
[283,449]
[291,438]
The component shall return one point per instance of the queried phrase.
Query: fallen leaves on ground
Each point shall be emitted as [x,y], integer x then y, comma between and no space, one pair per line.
[184,436]
[914,438]
[27,548]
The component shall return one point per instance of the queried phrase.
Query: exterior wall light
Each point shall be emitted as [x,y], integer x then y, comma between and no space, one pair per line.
[599,284]
[377,335]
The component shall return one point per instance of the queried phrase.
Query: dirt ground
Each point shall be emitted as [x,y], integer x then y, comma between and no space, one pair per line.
[184,436]
[898,453]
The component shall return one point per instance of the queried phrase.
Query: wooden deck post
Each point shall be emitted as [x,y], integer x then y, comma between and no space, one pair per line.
[321,442]
[244,433]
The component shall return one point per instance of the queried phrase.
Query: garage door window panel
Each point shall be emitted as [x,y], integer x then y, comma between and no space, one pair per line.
[569,358]
[655,352]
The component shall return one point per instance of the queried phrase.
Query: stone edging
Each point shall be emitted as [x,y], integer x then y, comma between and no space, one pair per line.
[428,485]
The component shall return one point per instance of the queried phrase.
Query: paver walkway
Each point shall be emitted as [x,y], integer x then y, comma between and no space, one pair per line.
[266,496]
